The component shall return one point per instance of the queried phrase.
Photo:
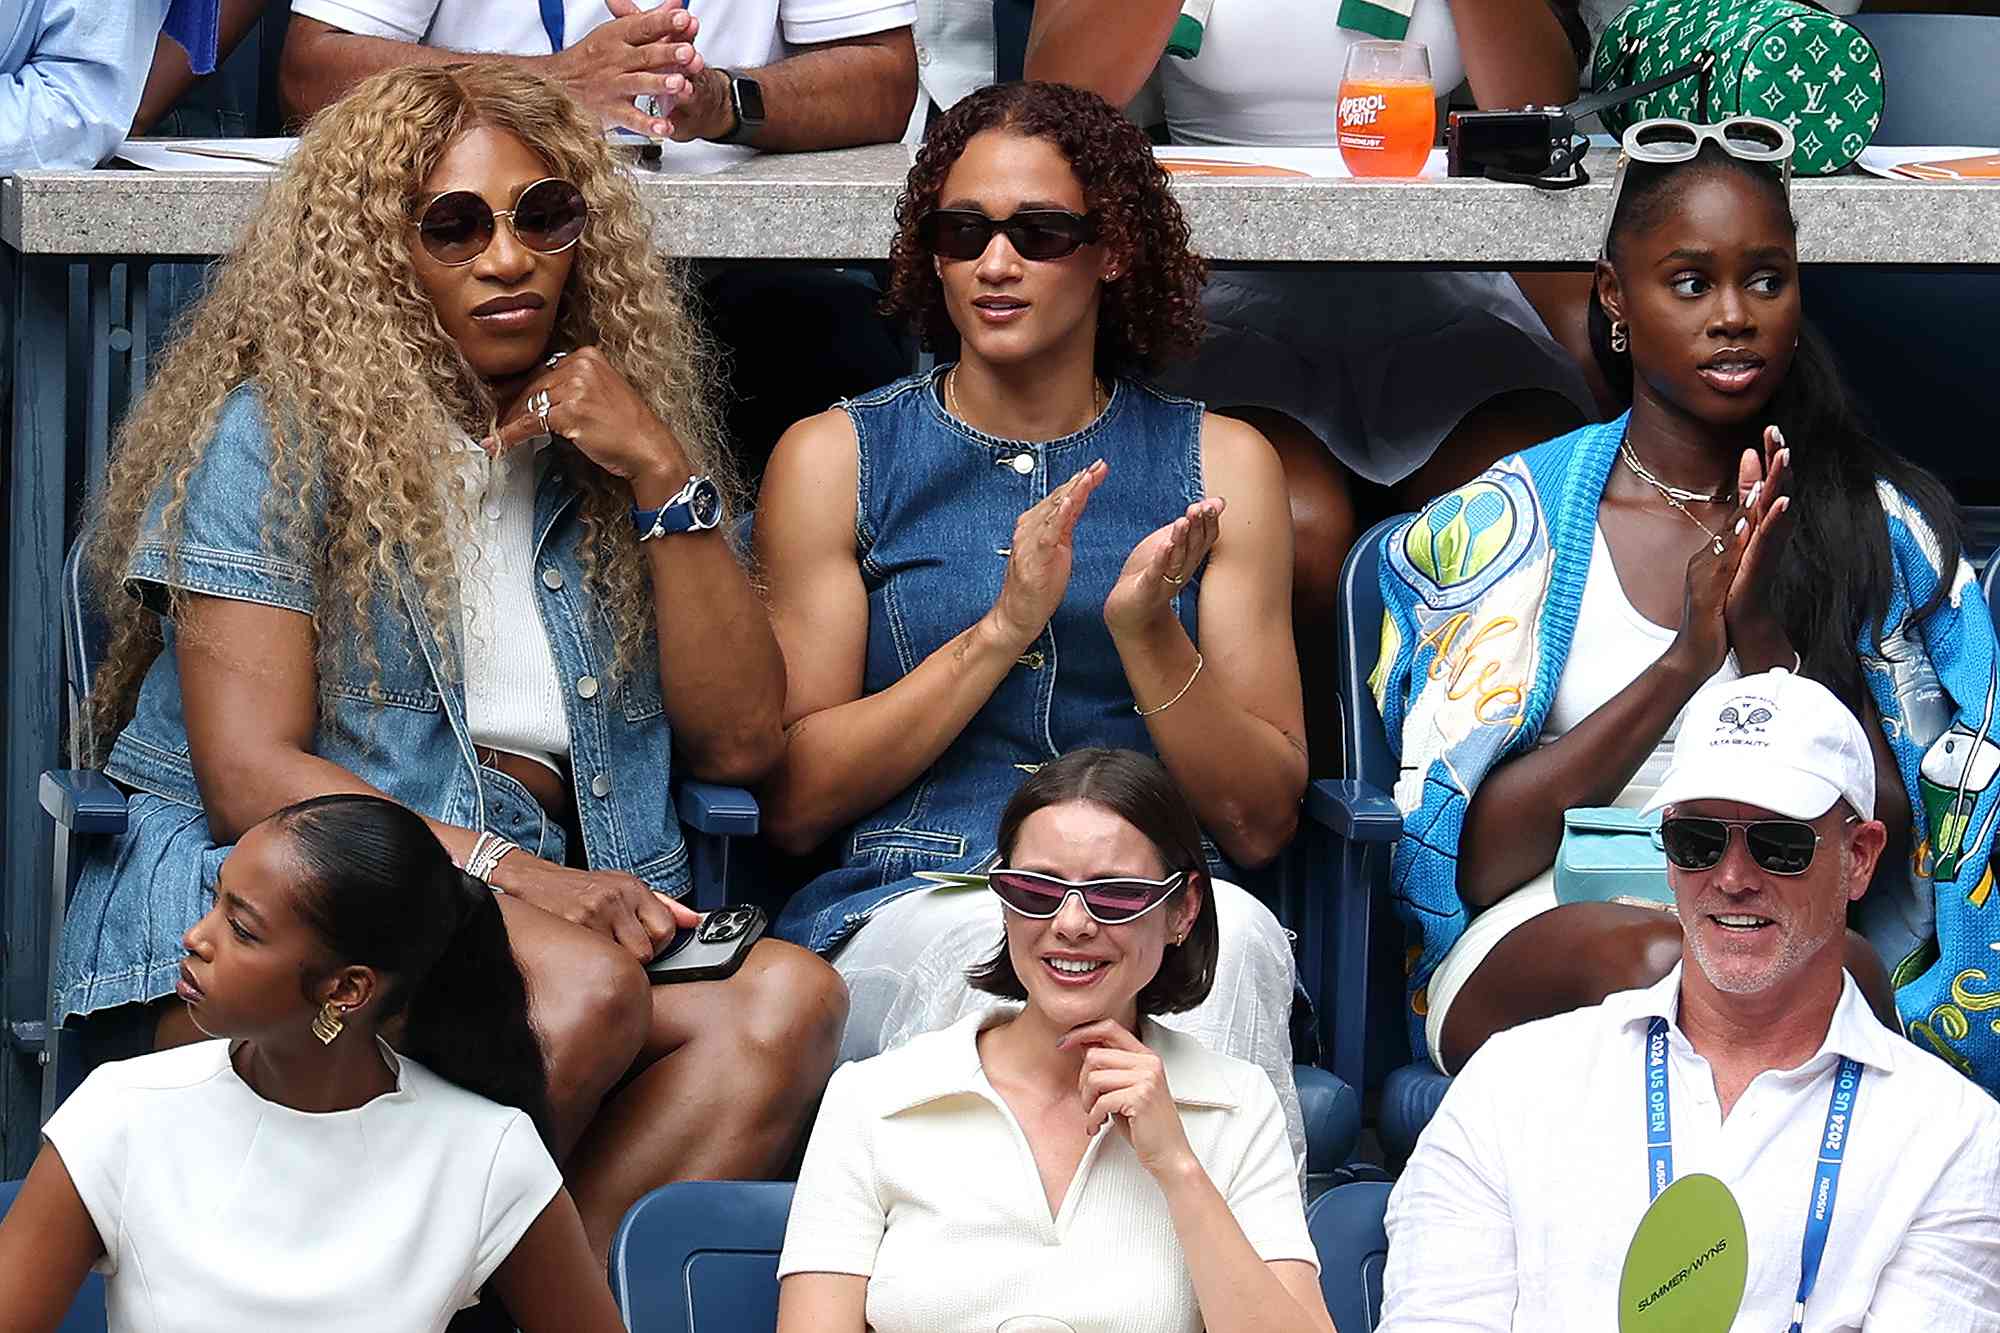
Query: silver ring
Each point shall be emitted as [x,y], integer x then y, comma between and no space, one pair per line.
[554,359]
[1177,582]
[538,403]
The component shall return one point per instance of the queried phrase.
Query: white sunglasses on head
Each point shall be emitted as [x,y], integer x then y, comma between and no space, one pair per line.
[1664,140]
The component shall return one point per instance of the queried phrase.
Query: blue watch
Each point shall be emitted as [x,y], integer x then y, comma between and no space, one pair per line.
[697,508]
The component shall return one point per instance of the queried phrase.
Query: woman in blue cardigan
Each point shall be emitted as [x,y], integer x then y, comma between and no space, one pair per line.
[1546,624]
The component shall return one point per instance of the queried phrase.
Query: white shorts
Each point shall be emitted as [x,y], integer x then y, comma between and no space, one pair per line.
[1465,955]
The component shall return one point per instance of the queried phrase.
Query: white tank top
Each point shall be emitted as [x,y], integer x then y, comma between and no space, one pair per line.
[1269,71]
[1612,645]
[513,691]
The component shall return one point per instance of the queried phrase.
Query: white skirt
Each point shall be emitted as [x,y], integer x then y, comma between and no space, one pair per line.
[1380,365]
[905,974]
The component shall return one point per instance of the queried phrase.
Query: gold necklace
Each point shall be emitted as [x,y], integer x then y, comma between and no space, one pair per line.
[1097,398]
[1674,495]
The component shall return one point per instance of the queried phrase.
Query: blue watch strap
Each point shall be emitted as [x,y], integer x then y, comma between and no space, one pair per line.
[679,514]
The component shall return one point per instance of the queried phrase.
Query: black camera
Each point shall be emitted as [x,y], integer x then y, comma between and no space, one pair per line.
[1533,146]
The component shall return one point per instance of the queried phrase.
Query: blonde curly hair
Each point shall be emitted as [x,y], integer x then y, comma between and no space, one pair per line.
[320,309]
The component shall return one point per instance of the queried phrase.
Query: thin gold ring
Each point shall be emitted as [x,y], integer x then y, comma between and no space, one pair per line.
[1177,582]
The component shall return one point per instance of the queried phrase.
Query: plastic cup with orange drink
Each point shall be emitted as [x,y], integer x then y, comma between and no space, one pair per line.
[1387,114]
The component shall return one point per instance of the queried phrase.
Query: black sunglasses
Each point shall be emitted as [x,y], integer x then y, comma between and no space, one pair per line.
[457,226]
[1035,233]
[1778,846]
[1110,902]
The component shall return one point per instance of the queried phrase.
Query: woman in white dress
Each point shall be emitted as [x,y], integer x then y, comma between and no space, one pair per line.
[1069,1159]
[295,1172]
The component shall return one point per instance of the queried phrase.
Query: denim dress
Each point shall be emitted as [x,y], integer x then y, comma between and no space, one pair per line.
[934,516]
[400,727]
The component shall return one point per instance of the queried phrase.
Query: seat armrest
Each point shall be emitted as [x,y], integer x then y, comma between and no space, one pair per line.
[708,807]
[1354,810]
[83,800]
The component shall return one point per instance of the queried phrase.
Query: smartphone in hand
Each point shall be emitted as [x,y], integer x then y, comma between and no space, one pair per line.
[713,949]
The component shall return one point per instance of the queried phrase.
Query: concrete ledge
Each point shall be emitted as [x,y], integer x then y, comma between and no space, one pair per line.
[841,206]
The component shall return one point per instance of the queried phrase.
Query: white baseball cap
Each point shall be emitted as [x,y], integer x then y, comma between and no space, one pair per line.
[1775,740]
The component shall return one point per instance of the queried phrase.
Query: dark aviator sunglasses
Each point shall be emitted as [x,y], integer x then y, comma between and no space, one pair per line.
[1778,846]
[1035,233]
[548,217]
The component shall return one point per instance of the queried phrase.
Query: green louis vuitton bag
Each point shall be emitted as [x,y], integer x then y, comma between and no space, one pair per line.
[1781,59]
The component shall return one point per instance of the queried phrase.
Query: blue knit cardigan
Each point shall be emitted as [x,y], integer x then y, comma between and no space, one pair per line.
[1481,592]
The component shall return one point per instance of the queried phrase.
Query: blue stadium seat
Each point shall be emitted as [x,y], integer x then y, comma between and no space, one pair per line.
[1374,1000]
[1936,70]
[701,1256]
[84,804]
[86,1312]
[1353,1248]
[1332,1113]
[1923,385]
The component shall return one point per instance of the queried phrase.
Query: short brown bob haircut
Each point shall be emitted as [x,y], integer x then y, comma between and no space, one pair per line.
[1152,312]
[1136,788]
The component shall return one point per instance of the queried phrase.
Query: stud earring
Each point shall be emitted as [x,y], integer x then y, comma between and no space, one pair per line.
[328,1022]
[1619,339]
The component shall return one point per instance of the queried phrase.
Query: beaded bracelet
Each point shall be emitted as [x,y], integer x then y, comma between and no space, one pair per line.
[485,856]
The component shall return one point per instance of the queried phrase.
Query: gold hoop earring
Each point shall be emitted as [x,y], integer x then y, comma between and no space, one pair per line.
[328,1022]
[1619,336]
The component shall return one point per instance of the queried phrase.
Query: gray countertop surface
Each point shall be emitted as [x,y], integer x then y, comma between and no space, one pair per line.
[841,206]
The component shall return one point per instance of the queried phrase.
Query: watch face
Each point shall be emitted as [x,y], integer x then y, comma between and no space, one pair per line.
[749,101]
[705,504]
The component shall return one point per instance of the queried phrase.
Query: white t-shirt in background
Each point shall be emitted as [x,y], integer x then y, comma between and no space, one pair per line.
[1269,71]
[221,1210]
[735,34]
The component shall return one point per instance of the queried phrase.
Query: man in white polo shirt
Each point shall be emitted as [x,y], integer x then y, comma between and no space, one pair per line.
[729,75]
[1866,1171]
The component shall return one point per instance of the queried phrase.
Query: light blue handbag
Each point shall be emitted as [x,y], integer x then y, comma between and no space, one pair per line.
[1611,854]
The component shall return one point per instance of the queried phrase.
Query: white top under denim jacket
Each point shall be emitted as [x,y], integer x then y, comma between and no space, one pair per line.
[919,1178]
[401,728]
[1523,1194]
[221,1210]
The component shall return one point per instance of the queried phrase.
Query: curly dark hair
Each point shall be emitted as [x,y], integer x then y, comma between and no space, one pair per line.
[1153,310]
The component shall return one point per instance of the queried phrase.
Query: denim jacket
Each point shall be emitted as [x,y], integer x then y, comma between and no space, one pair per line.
[402,727]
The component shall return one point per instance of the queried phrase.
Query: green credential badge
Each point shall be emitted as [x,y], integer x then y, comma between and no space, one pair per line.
[1688,1263]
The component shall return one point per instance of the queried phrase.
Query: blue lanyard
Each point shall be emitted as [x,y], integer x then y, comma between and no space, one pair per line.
[1826,1172]
[552,23]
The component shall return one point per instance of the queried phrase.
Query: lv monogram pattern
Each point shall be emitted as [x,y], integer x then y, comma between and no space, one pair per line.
[1779,59]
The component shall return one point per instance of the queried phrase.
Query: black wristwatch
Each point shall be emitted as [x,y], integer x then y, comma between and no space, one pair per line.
[697,508]
[746,102]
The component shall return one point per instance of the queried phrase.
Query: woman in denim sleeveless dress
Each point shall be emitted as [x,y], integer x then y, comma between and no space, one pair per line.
[316,582]
[1041,553]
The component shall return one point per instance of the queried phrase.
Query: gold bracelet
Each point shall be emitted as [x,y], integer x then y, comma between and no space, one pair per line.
[1148,712]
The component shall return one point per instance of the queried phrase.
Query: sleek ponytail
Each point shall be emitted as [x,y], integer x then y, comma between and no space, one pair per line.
[1838,574]
[382,892]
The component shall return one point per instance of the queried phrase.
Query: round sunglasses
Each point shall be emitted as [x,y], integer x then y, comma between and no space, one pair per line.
[1035,233]
[548,217]
[1109,902]
[1778,846]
